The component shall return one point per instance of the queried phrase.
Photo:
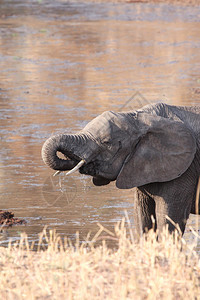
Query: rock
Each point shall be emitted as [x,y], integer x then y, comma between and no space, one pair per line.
[7,218]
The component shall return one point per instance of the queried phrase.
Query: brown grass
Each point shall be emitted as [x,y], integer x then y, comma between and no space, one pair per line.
[168,269]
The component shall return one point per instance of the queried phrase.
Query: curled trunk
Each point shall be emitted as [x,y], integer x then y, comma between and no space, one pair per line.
[68,145]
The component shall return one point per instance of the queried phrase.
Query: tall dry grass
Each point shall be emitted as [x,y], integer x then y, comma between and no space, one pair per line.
[168,269]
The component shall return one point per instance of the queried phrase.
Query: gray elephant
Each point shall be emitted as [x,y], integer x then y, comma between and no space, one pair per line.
[154,150]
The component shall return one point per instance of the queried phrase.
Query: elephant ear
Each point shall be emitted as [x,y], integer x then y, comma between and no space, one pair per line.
[164,151]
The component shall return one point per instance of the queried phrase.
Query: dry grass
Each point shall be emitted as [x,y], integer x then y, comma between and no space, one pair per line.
[168,269]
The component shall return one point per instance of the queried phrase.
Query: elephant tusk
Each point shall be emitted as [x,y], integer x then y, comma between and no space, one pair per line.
[72,170]
[57,172]
[76,167]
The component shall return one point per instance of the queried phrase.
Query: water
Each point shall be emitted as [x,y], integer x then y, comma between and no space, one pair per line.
[61,65]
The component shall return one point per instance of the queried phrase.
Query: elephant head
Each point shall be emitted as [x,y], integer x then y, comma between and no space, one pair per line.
[134,148]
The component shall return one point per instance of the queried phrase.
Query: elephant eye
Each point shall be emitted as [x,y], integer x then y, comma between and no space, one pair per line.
[107,144]
[110,145]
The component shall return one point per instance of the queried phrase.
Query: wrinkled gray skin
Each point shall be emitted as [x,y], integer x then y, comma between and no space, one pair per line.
[154,150]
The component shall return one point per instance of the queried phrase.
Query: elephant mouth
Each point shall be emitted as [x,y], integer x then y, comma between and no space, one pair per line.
[92,170]
[87,168]
[99,181]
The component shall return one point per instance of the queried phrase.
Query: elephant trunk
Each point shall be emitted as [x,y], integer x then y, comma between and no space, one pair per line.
[67,145]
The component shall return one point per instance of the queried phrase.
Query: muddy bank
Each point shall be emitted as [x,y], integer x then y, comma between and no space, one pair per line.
[7,218]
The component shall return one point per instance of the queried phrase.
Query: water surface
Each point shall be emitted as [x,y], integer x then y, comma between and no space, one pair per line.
[61,65]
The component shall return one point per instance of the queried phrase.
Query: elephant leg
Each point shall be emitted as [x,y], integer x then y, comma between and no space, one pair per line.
[195,209]
[144,211]
[174,199]
[174,203]
[167,212]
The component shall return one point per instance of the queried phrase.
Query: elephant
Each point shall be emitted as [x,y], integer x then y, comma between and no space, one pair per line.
[154,150]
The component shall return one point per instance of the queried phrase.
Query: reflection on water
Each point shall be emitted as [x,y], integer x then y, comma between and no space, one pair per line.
[62,64]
